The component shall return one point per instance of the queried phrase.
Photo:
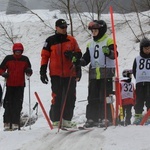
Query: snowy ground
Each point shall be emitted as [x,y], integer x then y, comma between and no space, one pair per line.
[32,33]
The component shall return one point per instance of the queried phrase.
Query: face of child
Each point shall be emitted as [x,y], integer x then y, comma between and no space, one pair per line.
[95,32]
[146,50]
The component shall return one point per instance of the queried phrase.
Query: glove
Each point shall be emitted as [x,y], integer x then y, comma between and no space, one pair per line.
[28,72]
[106,50]
[44,78]
[69,54]
[5,75]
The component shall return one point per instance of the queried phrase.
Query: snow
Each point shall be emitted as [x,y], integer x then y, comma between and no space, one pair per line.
[29,30]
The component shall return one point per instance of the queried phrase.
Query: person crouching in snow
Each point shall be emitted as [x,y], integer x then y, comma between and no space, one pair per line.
[141,72]
[14,68]
[127,96]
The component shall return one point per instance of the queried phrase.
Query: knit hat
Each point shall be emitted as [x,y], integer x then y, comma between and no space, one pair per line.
[61,23]
[17,47]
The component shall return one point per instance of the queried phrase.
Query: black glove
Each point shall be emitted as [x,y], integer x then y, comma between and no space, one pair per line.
[28,72]
[5,75]
[44,78]
[69,54]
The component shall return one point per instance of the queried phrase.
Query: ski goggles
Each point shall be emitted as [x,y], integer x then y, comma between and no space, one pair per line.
[94,25]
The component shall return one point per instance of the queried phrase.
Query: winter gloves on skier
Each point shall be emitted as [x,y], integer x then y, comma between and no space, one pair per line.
[5,75]
[43,76]
[73,56]
[106,50]
[28,72]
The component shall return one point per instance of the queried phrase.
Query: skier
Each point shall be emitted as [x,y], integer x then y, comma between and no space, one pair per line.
[127,96]
[62,53]
[13,68]
[100,54]
[141,72]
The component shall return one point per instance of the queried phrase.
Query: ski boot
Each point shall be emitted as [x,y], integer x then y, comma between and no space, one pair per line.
[89,123]
[138,119]
[68,124]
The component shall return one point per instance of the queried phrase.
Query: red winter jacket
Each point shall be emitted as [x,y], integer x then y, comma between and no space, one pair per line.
[16,68]
[53,54]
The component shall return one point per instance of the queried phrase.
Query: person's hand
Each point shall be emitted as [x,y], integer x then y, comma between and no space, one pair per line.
[44,78]
[5,75]
[28,72]
[69,54]
[106,50]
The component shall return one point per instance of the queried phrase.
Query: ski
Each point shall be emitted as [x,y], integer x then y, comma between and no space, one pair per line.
[70,129]
[80,128]
[84,128]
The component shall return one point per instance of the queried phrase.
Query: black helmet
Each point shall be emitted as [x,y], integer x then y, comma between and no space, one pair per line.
[127,73]
[98,24]
[145,42]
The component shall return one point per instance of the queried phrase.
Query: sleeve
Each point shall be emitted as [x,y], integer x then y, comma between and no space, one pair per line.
[85,60]
[3,66]
[77,50]
[45,53]
[134,68]
[1,93]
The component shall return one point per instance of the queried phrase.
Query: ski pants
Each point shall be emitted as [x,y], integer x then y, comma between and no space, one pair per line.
[13,104]
[127,113]
[59,88]
[142,97]
[95,109]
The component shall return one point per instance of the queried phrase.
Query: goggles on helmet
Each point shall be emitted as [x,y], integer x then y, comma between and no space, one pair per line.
[127,72]
[94,25]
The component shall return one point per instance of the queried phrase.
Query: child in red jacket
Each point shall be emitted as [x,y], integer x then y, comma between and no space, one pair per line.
[127,96]
[14,68]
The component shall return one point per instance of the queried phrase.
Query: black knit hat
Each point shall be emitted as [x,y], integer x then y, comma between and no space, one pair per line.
[61,23]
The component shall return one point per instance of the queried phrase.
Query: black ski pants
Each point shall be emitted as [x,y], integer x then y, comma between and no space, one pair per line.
[59,88]
[13,104]
[142,97]
[127,113]
[95,109]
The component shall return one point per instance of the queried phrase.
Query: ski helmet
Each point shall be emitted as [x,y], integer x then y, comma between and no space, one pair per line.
[145,42]
[127,73]
[17,47]
[100,25]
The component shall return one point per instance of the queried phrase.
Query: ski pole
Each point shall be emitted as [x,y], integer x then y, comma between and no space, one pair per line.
[29,102]
[65,99]
[35,106]
[105,103]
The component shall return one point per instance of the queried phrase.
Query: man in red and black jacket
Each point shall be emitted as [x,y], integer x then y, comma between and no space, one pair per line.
[14,68]
[62,53]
